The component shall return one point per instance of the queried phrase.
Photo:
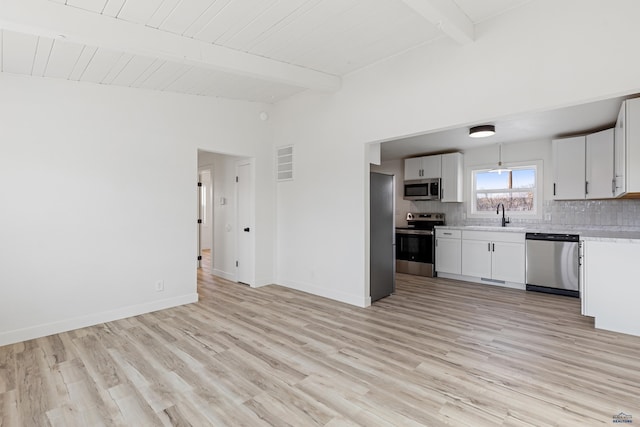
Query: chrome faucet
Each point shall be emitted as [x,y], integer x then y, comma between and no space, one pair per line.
[505,221]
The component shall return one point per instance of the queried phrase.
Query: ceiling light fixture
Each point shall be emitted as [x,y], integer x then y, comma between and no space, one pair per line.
[500,168]
[482,131]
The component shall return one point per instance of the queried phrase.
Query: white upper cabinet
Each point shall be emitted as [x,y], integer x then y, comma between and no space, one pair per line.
[627,150]
[448,167]
[451,185]
[413,168]
[619,152]
[583,166]
[423,167]
[569,168]
[432,166]
[599,165]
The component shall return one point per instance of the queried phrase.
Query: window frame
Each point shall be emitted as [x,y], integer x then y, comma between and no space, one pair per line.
[536,213]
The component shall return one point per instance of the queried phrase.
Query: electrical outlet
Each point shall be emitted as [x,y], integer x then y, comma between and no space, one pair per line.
[547,217]
[160,286]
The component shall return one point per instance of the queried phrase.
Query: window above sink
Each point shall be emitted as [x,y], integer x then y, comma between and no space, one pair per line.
[519,188]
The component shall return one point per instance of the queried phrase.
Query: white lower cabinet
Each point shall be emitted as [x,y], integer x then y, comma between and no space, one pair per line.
[476,258]
[585,308]
[609,288]
[448,251]
[496,256]
[508,262]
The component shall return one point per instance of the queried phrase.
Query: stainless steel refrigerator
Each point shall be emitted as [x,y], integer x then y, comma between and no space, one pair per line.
[382,239]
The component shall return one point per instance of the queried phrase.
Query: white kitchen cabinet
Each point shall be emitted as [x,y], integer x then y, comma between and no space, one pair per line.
[423,167]
[508,261]
[619,152]
[585,299]
[583,166]
[476,258]
[627,150]
[451,188]
[610,288]
[413,168]
[599,165]
[569,168]
[448,251]
[492,255]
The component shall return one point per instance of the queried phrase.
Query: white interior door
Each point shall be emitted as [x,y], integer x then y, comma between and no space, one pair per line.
[245,223]
[206,229]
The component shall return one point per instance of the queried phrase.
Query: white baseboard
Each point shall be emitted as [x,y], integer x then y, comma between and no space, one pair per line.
[357,300]
[224,274]
[46,329]
[263,282]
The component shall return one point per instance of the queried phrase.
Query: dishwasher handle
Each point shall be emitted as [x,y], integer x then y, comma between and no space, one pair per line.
[554,237]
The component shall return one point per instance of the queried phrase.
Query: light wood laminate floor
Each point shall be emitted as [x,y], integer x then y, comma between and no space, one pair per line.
[439,352]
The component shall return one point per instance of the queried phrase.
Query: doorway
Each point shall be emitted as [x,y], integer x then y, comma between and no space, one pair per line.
[220,200]
[205,214]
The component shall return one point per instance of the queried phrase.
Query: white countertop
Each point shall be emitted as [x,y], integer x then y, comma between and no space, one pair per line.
[617,235]
[483,228]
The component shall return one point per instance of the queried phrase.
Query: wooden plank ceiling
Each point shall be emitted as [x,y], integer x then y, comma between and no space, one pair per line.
[255,50]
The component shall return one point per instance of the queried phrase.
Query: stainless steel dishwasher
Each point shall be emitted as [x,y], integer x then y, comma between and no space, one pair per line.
[552,263]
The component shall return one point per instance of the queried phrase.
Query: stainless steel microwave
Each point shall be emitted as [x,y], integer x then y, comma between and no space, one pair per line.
[422,189]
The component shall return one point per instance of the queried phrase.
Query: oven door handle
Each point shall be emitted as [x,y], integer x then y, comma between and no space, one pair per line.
[414,232]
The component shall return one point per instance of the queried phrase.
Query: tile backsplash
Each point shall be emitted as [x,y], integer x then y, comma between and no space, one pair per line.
[615,214]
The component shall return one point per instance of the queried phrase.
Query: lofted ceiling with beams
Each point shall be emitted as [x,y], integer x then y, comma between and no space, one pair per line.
[253,50]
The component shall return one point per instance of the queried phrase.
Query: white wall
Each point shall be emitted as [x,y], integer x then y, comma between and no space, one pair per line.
[545,55]
[99,198]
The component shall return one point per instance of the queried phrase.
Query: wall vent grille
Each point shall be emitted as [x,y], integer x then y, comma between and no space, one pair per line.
[284,167]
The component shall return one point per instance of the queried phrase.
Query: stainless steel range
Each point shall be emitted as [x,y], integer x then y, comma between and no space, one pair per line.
[415,249]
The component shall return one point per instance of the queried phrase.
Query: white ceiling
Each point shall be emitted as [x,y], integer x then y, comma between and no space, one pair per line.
[255,50]
[258,50]
[564,122]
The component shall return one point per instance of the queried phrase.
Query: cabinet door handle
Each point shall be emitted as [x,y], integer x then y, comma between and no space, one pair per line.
[493,247]
[586,187]
[447,234]
[616,180]
[489,247]
[554,188]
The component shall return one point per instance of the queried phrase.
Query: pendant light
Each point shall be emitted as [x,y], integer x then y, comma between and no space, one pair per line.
[482,131]
[500,168]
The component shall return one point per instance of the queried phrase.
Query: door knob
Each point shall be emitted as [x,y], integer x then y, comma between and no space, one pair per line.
[247,229]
